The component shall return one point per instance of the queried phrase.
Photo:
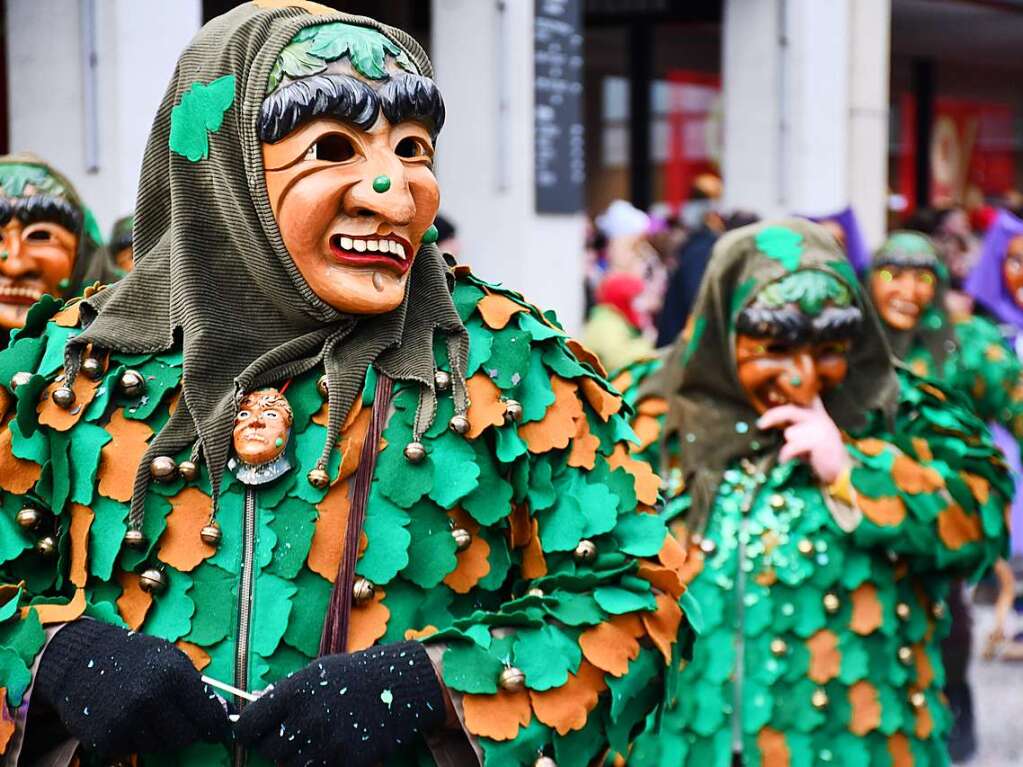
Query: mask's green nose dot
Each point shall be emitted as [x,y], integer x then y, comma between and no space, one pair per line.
[278,442]
[64,284]
[796,381]
[3,255]
[430,235]
[381,184]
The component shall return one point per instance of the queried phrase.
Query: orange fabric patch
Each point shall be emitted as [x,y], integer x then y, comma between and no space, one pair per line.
[7,725]
[16,475]
[866,708]
[604,402]
[498,716]
[69,316]
[423,633]
[558,424]
[980,488]
[59,419]
[663,578]
[485,406]
[646,482]
[612,644]
[957,528]
[368,622]
[199,657]
[883,512]
[520,527]
[924,723]
[534,563]
[825,657]
[922,449]
[62,613]
[583,454]
[180,545]
[648,430]
[653,406]
[911,477]
[898,747]
[924,669]
[565,708]
[623,380]
[662,625]
[496,310]
[866,610]
[583,354]
[134,603]
[473,563]
[331,528]
[774,751]
[871,446]
[120,457]
[81,521]
[353,437]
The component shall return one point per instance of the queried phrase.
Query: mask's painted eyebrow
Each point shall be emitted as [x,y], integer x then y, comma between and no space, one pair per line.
[346,98]
[416,98]
[43,207]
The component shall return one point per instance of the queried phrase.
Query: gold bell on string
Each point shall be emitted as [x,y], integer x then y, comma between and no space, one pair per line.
[363,590]
[831,603]
[463,538]
[512,411]
[163,468]
[819,698]
[188,471]
[63,397]
[902,610]
[20,378]
[318,478]
[152,581]
[29,518]
[918,699]
[512,679]
[210,534]
[805,547]
[415,452]
[905,654]
[132,384]
[46,546]
[545,761]
[459,424]
[135,539]
[92,368]
[708,547]
[585,551]
[321,385]
[779,646]
[442,380]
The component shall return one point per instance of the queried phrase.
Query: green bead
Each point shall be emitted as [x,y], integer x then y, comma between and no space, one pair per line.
[64,284]
[381,184]
[4,255]
[430,235]
[278,442]
[796,381]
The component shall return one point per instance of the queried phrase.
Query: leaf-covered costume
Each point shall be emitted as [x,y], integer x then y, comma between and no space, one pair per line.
[822,607]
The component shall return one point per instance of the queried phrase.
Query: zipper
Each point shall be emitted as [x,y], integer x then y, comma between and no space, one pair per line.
[751,487]
[241,658]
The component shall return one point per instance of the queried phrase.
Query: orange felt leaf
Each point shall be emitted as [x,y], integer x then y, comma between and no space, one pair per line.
[331,528]
[922,449]
[423,633]
[16,475]
[59,419]
[62,613]
[7,725]
[672,554]
[898,748]
[604,402]
[662,625]
[924,669]
[497,716]
[534,563]
[865,705]
[368,622]
[496,310]
[473,563]
[81,521]
[924,723]
[825,657]
[648,430]
[774,751]
[980,488]
[653,406]
[884,512]
[584,354]
[352,441]
[69,316]
[485,406]
[612,644]
[871,446]
[663,578]
[645,481]
[912,477]
[134,603]
[565,708]
[623,380]
[120,457]
[180,545]
[559,422]
[520,527]
[321,416]
[957,528]
[583,454]
[866,610]
[199,657]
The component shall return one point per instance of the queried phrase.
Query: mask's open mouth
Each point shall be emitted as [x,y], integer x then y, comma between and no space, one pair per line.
[392,253]
[21,293]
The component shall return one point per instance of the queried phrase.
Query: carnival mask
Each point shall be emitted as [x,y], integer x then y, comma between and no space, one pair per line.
[774,373]
[348,157]
[902,294]
[261,431]
[1012,270]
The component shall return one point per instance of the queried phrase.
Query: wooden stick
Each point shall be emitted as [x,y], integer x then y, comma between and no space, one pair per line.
[228,688]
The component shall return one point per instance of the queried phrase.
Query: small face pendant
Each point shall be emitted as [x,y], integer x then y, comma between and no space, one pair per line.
[261,432]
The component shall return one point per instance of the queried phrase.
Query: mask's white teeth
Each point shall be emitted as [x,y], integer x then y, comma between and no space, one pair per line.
[372,245]
[360,246]
[346,243]
[397,249]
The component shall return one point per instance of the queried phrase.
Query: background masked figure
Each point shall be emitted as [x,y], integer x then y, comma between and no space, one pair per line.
[825,510]
[119,247]
[449,467]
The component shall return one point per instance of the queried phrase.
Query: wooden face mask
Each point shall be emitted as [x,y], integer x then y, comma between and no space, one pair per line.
[262,427]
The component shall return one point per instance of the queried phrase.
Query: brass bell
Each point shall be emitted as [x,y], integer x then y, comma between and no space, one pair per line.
[805,547]
[132,384]
[188,471]
[210,534]
[535,592]
[832,603]
[938,610]
[321,385]
[46,546]
[459,424]
[318,478]
[29,518]
[819,699]
[905,654]
[63,397]
[545,761]
[415,452]
[918,699]
[902,610]
[586,551]
[22,377]
[92,368]
[463,538]
[512,679]
[708,547]
[152,581]
[363,590]
[512,410]
[163,468]
[135,539]
[779,646]
[441,380]
[777,501]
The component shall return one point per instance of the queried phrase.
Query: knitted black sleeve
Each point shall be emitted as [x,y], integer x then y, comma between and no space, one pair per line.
[351,709]
[119,692]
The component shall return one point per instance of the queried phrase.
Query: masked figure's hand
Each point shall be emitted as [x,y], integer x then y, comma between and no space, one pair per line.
[810,434]
[121,693]
[351,709]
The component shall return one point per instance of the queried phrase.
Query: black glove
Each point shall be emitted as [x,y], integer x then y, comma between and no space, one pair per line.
[350,709]
[121,693]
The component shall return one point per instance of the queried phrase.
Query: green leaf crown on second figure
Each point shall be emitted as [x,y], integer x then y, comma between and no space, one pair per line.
[16,177]
[811,290]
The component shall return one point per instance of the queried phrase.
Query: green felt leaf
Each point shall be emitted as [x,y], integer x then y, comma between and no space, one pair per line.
[366,48]
[562,363]
[577,748]
[499,558]
[86,442]
[229,516]
[307,613]
[200,111]
[491,500]
[213,594]
[170,616]
[56,339]
[293,526]
[305,399]
[520,751]
[308,446]
[388,540]
[10,607]
[104,611]
[546,656]
[285,660]
[14,675]
[432,550]
[642,671]
[22,355]
[541,488]
[618,600]
[510,446]
[575,609]
[641,535]
[481,342]
[38,316]
[470,668]
[13,540]
[561,526]
[98,407]
[598,504]
[537,330]
[534,391]
[25,637]
[59,442]
[399,479]
[156,510]
[107,532]
[466,297]
[509,358]
[271,608]
[160,378]
[455,471]
[28,398]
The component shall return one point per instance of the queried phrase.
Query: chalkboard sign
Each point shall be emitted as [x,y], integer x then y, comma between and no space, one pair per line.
[560,170]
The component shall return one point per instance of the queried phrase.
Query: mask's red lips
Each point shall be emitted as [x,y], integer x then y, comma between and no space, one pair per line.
[392,253]
[19,293]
